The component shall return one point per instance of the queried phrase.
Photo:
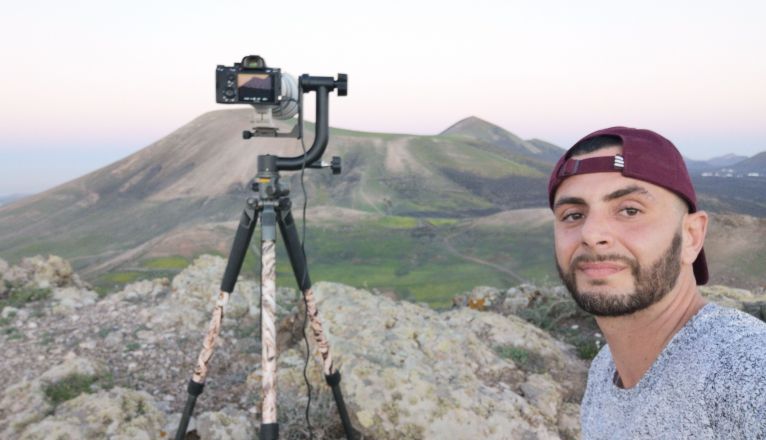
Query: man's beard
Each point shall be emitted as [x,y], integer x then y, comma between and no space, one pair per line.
[651,284]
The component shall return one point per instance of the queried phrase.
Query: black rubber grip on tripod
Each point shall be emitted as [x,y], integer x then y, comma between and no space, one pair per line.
[270,431]
[333,380]
[194,389]
[239,250]
[294,249]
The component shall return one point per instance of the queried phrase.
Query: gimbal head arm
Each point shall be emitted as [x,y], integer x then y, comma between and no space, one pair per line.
[322,85]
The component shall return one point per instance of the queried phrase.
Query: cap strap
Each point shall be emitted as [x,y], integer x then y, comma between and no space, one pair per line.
[599,164]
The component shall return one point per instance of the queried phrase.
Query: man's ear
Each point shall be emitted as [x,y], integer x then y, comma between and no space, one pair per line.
[694,230]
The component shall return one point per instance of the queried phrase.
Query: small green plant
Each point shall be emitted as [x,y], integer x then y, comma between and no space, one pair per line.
[102,291]
[132,346]
[21,296]
[528,361]
[104,332]
[69,387]
[46,339]
[587,349]
[12,333]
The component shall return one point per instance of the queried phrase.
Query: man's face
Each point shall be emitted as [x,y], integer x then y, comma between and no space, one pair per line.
[618,240]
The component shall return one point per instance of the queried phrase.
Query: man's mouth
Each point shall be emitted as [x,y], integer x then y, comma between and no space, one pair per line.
[601,269]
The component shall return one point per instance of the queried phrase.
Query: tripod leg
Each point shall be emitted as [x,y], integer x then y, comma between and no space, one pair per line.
[269,425]
[236,258]
[300,269]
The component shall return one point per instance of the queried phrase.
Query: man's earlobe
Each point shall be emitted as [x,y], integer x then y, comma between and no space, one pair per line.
[694,230]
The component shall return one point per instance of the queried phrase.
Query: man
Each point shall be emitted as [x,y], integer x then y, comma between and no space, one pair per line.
[628,239]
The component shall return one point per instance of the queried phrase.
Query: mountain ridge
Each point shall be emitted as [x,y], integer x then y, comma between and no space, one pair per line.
[410,206]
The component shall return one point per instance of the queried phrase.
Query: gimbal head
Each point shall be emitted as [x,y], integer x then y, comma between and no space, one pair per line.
[322,86]
[274,94]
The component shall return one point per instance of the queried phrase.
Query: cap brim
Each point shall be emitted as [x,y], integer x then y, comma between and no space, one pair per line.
[700,268]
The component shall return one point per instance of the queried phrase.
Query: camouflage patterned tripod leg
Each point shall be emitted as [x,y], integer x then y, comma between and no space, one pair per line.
[236,258]
[300,269]
[269,333]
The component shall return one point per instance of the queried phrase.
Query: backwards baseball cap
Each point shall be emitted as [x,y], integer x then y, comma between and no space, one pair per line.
[645,156]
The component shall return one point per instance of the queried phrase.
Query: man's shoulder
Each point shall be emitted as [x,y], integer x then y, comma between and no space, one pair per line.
[726,327]
[735,383]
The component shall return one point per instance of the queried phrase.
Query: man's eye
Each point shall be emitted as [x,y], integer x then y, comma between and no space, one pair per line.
[630,212]
[572,216]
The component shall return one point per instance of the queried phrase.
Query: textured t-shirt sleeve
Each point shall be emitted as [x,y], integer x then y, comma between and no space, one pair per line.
[736,389]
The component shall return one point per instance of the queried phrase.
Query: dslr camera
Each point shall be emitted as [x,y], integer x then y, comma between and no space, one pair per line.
[248,82]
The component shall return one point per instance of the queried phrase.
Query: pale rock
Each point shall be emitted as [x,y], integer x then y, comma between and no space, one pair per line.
[52,271]
[411,372]
[569,421]
[143,290]
[483,297]
[25,403]
[114,339]
[173,420]
[73,364]
[118,413]
[58,429]
[544,393]
[199,286]
[515,300]
[228,424]
[74,297]
[87,344]
[741,299]
[16,276]
[9,312]
[22,404]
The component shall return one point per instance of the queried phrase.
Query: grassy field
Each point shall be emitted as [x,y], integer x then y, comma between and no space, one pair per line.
[405,255]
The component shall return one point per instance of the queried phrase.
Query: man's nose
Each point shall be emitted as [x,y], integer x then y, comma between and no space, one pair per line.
[596,231]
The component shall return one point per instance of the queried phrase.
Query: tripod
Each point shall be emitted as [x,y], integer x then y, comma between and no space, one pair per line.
[273,206]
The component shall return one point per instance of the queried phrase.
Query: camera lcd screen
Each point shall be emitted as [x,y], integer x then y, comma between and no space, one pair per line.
[256,87]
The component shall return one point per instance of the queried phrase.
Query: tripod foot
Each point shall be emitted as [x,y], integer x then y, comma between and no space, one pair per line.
[270,431]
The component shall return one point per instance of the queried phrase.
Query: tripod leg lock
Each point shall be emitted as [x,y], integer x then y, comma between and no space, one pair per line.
[195,388]
[333,379]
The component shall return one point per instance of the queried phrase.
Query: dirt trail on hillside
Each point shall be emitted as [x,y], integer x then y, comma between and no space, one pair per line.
[451,248]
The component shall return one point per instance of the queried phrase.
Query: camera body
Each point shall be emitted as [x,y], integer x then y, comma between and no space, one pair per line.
[248,82]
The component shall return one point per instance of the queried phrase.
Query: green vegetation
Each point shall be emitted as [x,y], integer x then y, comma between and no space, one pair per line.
[463,155]
[166,263]
[361,134]
[396,222]
[567,322]
[75,384]
[121,277]
[527,360]
[20,297]
[12,333]
[403,254]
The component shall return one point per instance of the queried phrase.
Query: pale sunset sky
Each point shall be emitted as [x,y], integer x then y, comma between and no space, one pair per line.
[84,83]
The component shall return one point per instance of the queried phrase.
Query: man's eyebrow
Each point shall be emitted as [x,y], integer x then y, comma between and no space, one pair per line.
[625,191]
[569,201]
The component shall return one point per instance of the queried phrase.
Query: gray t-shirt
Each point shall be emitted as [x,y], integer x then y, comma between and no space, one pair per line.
[708,383]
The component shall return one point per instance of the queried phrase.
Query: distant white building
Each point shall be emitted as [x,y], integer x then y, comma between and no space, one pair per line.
[753,174]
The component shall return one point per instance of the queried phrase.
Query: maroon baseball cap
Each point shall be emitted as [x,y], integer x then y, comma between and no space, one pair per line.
[645,156]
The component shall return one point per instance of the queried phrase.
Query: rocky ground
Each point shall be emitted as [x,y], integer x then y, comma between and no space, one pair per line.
[84,365]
